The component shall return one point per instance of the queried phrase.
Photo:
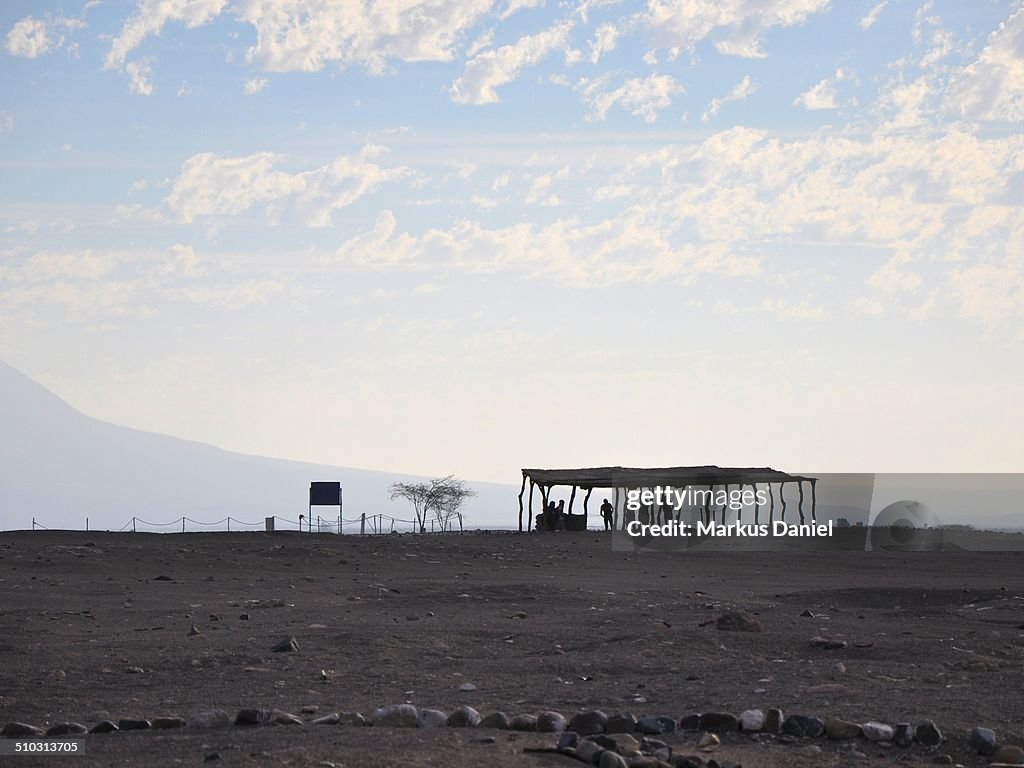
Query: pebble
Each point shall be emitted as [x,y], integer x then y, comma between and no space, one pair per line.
[610,759]
[523,723]
[841,730]
[66,729]
[928,733]
[877,731]
[310,709]
[210,719]
[588,722]
[103,726]
[330,719]
[803,726]
[550,722]
[982,740]
[166,723]
[467,687]
[828,643]
[497,720]
[433,718]
[286,718]
[21,731]
[773,721]
[709,740]
[464,717]
[719,722]
[135,670]
[903,734]
[396,716]
[130,724]
[943,760]
[621,722]
[194,631]
[738,621]
[1009,755]
[751,720]
[287,645]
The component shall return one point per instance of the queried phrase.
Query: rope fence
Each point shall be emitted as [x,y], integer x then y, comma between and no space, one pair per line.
[363,525]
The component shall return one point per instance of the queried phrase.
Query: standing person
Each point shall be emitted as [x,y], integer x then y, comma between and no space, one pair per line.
[608,513]
[560,516]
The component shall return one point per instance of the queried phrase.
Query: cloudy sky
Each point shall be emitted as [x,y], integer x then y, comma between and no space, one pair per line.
[469,236]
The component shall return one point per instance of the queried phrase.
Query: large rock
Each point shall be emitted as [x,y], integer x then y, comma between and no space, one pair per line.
[841,730]
[396,716]
[432,718]
[928,733]
[610,759]
[209,718]
[803,726]
[751,720]
[167,723]
[550,722]
[586,723]
[17,730]
[773,721]
[464,717]
[134,724]
[287,645]
[253,717]
[738,621]
[654,726]
[621,722]
[523,723]
[497,720]
[104,726]
[719,722]
[874,731]
[982,740]
[66,729]
[903,734]
[1008,755]
[689,723]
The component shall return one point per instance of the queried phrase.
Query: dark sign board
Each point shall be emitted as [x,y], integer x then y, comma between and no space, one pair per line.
[324,494]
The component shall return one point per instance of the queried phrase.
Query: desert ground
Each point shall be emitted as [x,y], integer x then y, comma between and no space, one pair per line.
[99,626]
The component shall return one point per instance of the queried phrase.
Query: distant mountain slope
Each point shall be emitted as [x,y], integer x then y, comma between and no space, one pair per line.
[59,465]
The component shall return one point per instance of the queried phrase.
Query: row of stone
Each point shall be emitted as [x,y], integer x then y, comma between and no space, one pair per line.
[587,723]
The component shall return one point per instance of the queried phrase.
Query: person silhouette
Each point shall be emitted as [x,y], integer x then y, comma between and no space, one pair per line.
[560,516]
[608,513]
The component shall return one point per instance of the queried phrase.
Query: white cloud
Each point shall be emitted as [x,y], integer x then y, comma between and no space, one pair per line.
[514,6]
[212,185]
[743,22]
[992,88]
[743,89]
[644,97]
[255,85]
[306,35]
[151,16]
[490,69]
[604,41]
[139,73]
[821,96]
[868,21]
[31,37]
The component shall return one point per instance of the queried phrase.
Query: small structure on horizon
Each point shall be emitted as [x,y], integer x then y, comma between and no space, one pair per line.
[323,494]
[621,480]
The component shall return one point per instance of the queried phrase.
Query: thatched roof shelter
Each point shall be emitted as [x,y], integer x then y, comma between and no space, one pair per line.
[619,479]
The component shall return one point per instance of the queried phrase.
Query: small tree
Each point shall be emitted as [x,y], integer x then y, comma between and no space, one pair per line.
[442,497]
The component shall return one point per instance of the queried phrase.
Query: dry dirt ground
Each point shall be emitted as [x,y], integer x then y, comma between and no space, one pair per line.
[408,618]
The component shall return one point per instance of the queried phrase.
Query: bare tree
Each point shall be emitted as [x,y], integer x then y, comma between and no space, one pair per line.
[441,497]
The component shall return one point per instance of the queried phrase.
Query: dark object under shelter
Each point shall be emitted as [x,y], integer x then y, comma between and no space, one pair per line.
[621,480]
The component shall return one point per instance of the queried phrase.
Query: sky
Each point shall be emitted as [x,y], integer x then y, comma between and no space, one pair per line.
[465,236]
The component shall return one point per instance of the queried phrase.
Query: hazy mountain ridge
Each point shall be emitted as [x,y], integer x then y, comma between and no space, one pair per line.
[60,465]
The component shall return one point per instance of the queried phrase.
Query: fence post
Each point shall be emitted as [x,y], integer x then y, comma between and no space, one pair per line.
[33,523]
[87,524]
[362,525]
[229,523]
[133,525]
[182,523]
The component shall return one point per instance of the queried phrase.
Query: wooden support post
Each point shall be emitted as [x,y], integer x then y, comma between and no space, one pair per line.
[531,522]
[800,506]
[782,498]
[572,498]
[707,503]
[771,510]
[182,524]
[522,490]
[586,500]
[814,501]
[615,508]
[133,525]
[757,506]
[362,525]
[725,506]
